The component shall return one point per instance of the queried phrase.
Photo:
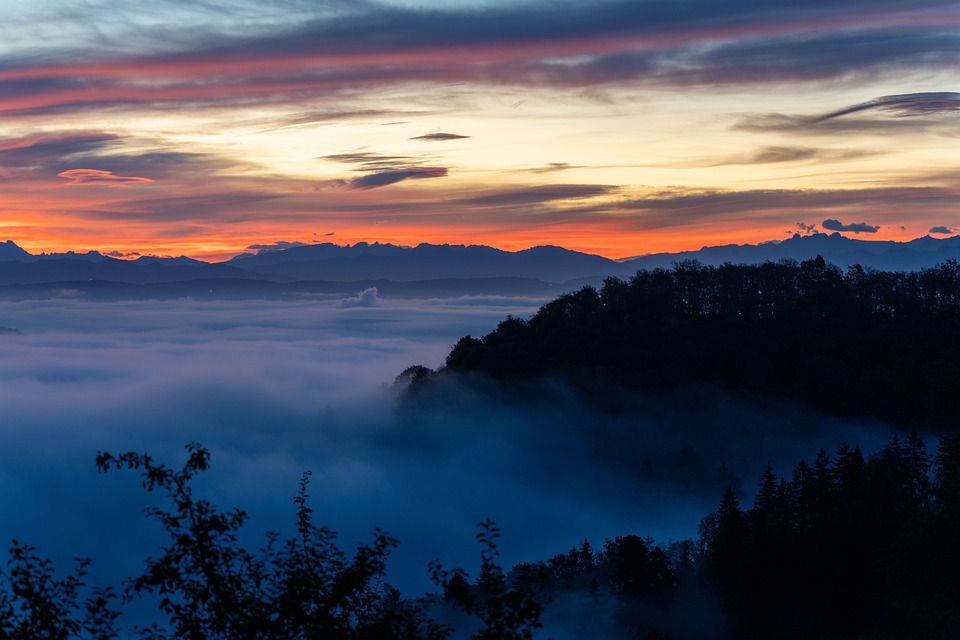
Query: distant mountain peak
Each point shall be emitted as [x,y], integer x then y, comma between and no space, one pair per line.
[837,249]
[10,250]
[372,261]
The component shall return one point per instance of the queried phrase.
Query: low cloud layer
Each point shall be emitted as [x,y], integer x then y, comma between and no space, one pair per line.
[366,298]
[274,389]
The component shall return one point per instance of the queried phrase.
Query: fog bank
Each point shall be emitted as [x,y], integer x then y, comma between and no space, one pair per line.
[277,388]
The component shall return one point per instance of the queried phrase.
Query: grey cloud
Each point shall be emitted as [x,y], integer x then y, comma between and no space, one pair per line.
[813,57]
[161,163]
[791,154]
[384,178]
[534,195]
[761,42]
[779,154]
[217,207]
[370,161]
[856,227]
[440,136]
[908,110]
[679,208]
[385,169]
[505,25]
[50,150]
[310,117]
[67,150]
[276,246]
[909,104]
[942,230]
[550,167]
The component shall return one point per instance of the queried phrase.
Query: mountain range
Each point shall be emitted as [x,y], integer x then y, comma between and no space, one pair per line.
[398,271]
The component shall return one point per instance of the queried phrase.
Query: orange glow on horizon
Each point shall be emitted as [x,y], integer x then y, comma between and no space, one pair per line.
[614,246]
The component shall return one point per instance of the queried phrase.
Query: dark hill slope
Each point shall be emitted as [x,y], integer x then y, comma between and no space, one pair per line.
[864,343]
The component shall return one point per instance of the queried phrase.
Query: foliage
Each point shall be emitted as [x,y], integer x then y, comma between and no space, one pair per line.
[208,586]
[507,610]
[877,534]
[865,533]
[863,343]
[37,605]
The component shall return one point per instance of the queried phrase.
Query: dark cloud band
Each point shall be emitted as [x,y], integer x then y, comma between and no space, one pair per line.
[856,227]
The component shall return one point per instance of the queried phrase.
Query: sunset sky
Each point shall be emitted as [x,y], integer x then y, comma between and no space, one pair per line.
[614,127]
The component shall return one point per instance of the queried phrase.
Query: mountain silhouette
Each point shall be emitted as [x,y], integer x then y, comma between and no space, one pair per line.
[440,270]
[886,255]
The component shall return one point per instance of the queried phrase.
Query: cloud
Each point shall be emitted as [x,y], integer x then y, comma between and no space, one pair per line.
[539,194]
[779,154]
[324,56]
[942,230]
[908,111]
[274,389]
[678,208]
[384,178]
[749,59]
[550,167]
[118,158]
[370,161]
[223,205]
[856,227]
[279,245]
[333,115]
[349,67]
[49,150]
[86,177]
[386,169]
[905,105]
[805,229]
[440,136]
[366,298]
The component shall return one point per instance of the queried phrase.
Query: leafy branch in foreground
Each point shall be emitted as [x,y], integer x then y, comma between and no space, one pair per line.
[35,604]
[506,611]
[208,586]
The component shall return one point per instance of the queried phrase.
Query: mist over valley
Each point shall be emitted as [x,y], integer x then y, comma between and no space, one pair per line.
[342,384]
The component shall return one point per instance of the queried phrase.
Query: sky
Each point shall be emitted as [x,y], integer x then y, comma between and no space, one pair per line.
[616,127]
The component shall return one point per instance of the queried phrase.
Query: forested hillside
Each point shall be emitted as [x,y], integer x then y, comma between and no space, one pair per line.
[848,546]
[863,343]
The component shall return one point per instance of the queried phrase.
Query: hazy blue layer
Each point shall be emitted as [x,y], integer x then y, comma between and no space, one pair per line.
[274,389]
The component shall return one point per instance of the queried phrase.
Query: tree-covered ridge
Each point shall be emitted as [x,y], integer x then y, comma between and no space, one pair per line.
[848,546]
[862,343]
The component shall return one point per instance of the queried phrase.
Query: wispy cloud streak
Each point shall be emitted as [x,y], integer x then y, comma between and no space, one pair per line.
[655,42]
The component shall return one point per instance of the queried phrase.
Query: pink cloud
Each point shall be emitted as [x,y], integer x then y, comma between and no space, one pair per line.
[85,177]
